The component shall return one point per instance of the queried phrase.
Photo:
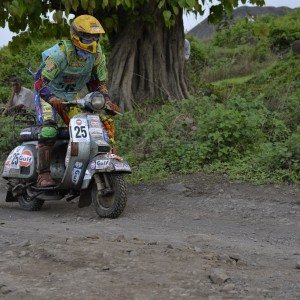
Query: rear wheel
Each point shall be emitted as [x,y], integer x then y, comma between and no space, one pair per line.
[109,195]
[30,205]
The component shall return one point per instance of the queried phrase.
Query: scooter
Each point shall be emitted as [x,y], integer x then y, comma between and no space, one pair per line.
[82,164]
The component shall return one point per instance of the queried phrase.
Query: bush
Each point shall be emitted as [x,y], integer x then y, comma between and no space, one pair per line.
[284,30]
[240,33]
[233,52]
[247,129]
[278,32]
[9,136]
[17,64]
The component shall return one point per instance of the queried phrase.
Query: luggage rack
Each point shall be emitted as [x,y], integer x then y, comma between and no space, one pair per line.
[22,118]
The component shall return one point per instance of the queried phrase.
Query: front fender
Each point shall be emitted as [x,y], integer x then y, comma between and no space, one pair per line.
[104,163]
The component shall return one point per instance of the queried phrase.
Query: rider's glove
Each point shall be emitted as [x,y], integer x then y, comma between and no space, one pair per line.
[111,107]
[57,104]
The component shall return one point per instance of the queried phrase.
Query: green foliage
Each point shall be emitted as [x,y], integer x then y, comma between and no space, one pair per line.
[243,126]
[209,63]
[242,133]
[242,49]
[285,30]
[275,32]
[239,34]
[9,136]
[270,162]
[22,14]
[17,64]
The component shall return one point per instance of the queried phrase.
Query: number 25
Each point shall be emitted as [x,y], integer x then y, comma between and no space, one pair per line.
[80,132]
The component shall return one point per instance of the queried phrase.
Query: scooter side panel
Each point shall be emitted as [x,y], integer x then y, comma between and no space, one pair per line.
[21,162]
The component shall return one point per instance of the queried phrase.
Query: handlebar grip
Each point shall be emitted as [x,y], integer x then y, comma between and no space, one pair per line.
[68,103]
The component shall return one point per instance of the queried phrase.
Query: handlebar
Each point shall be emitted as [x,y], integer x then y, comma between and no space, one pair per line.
[80,103]
[70,103]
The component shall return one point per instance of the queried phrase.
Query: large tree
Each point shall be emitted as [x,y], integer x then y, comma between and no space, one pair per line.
[147,38]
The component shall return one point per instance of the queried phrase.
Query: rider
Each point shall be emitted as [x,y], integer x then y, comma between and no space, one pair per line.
[67,67]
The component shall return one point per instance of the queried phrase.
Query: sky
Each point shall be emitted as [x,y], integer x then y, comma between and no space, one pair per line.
[189,20]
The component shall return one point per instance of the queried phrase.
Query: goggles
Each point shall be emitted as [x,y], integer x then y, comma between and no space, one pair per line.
[88,39]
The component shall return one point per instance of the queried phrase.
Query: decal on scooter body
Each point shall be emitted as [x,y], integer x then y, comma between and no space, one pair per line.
[102,164]
[76,164]
[80,130]
[106,163]
[122,166]
[20,162]
[76,172]
[96,129]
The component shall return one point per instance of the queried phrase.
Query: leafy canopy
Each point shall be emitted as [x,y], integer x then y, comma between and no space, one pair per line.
[34,14]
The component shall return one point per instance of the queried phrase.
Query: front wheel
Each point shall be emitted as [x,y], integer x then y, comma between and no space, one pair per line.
[109,195]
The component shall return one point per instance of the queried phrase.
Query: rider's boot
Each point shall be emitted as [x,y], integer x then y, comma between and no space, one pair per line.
[43,165]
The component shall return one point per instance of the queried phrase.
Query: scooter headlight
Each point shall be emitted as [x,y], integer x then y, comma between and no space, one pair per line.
[97,101]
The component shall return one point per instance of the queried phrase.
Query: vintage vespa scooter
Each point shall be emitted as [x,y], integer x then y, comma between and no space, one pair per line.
[82,165]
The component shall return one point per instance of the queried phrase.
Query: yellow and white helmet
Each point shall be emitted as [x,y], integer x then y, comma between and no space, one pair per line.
[85,33]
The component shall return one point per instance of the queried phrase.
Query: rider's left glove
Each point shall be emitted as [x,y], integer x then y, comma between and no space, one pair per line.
[111,107]
[57,104]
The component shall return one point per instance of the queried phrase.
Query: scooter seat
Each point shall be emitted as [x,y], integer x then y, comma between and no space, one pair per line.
[63,133]
[32,133]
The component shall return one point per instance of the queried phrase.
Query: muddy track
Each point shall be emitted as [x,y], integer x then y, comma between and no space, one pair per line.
[192,237]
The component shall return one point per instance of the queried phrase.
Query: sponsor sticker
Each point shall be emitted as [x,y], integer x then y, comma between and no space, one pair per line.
[94,28]
[78,164]
[96,131]
[26,158]
[101,164]
[76,172]
[96,134]
[50,64]
[94,121]
[120,166]
[15,157]
[93,165]
[78,121]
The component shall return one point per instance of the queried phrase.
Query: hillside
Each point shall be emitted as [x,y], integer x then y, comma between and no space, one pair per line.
[205,30]
[243,118]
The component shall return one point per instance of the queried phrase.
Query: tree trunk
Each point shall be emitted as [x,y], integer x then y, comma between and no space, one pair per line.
[147,60]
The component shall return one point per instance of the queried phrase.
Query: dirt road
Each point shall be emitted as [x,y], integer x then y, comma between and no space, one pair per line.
[194,237]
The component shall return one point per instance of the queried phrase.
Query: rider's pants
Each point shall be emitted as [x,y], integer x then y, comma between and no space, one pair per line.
[48,119]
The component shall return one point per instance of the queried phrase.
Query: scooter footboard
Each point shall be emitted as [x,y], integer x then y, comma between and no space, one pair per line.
[106,163]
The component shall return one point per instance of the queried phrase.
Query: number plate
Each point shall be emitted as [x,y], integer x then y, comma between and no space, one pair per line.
[80,130]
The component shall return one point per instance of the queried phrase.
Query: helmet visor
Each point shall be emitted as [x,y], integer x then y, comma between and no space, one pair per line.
[89,38]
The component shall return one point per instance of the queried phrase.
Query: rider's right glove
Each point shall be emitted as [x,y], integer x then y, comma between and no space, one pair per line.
[112,107]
